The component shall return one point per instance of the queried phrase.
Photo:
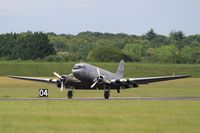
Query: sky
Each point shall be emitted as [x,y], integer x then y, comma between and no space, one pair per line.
[113,16]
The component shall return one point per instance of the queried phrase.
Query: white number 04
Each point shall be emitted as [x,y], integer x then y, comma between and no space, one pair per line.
[43,92]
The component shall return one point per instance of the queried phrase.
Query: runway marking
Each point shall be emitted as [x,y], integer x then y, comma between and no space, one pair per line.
[100,98]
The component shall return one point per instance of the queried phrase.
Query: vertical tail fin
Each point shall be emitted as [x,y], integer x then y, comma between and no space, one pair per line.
[120,70]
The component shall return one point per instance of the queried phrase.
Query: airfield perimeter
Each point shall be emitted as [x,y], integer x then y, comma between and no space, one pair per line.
[116,115]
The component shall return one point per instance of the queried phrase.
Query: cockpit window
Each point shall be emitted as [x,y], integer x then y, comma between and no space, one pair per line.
[79,67]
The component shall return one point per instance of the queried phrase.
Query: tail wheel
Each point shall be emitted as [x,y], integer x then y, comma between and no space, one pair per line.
[70,94]
[106,94]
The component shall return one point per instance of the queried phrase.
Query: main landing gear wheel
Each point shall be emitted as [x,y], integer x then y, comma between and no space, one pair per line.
[106,94]
[70,94]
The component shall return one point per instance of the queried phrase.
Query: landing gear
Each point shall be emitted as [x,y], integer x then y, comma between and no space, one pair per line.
[106,92]
[70,93]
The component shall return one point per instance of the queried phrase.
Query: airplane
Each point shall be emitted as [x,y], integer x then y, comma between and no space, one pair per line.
[87,76]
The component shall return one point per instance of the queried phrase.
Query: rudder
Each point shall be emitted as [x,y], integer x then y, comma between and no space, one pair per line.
[120,70]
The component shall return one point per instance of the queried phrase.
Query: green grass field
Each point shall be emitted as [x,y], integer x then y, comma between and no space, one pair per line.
[99,116]
[13,88]
[131,69]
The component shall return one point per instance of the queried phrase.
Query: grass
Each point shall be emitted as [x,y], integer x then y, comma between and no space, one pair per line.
[99,116]
[131,70]
[13,88]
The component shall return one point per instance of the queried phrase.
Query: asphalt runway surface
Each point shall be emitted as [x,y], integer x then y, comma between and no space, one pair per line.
[101,98]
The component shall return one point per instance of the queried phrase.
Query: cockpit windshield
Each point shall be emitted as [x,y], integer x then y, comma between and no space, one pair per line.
[79,67]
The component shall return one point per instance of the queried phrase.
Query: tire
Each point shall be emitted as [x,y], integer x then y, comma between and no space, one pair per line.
[106,94]
[70,94]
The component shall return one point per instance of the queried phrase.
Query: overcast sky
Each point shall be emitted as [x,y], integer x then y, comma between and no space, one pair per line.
[124,16]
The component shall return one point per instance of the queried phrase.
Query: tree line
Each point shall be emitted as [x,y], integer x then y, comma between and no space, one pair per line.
[150,47]
[25,46]
[101,47]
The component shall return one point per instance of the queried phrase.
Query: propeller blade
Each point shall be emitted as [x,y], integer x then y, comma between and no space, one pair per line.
[94,84]
[56,74]
[61,87]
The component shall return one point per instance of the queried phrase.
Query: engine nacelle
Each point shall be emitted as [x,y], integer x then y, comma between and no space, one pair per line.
[63,79]
[58,83]
[100,79]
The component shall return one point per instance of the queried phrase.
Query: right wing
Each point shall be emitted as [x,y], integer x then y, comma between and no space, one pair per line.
[133,82]
[46,80]
[147,80]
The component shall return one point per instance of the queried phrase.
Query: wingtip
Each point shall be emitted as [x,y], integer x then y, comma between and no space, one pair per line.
[173,74]
[9,76]
[186,76]
[189,75]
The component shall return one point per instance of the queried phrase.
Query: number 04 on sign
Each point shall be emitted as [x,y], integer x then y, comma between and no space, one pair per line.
[43,92]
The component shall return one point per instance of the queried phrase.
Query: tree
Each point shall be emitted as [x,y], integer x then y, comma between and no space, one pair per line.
[190,54]
[177,35]
[136,51]
[150,47]
[167,53]
[150,35]
[25,46]
[152,55]
[159,41]
[105,53]
[177,38]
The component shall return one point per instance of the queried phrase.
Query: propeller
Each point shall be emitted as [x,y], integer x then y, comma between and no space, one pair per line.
[62,80]
[96,81]
[56,74]
[99,79]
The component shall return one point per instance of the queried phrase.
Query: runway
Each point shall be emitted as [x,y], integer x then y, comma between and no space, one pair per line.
[101,98]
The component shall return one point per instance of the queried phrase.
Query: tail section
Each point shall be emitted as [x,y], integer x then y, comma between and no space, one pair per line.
[120,70]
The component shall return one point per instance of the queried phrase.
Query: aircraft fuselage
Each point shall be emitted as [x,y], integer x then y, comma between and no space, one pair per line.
[88,73]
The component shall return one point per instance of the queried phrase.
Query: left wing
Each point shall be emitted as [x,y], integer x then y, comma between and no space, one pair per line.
[47,80]
[146,80]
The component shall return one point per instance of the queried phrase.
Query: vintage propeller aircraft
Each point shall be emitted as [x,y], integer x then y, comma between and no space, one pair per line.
[86,76]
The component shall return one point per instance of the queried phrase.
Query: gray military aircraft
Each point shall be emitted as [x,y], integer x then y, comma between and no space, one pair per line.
[86,76]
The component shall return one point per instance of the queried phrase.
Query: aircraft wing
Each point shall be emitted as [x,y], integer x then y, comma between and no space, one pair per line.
[47,80]
[146,80]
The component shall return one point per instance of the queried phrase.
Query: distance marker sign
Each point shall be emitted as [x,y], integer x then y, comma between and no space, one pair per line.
[43,92]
